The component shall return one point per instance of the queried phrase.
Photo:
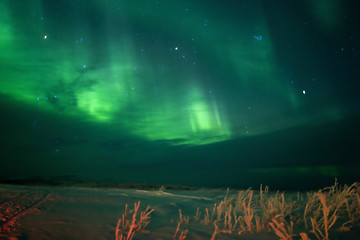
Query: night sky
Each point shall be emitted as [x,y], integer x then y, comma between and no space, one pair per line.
[182,92]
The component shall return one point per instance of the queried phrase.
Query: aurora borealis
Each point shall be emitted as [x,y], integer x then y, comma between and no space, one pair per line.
[107,87]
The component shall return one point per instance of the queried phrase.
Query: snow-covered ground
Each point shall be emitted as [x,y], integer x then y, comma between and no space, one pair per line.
[39,213]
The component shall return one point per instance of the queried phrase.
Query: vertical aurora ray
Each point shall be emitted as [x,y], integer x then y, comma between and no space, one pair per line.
[112,90]
[205,118]
[6,31]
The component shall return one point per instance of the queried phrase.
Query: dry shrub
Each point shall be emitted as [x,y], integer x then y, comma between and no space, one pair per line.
[197,216]
[129,223]
[182,235]
[183,218]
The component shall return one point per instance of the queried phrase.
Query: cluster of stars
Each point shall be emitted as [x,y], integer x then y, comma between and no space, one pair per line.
[258,37]
[46,98]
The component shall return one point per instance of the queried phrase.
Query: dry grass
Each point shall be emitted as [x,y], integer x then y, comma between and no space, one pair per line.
[321,225]
[304,236]
[332,207]
[281,228]
[336,208]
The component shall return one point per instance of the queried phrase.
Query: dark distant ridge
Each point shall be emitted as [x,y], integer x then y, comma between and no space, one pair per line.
[66,182]
[43,182]
[40,181]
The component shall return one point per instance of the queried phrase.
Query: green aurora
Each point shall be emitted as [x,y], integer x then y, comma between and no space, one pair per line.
[180,73]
